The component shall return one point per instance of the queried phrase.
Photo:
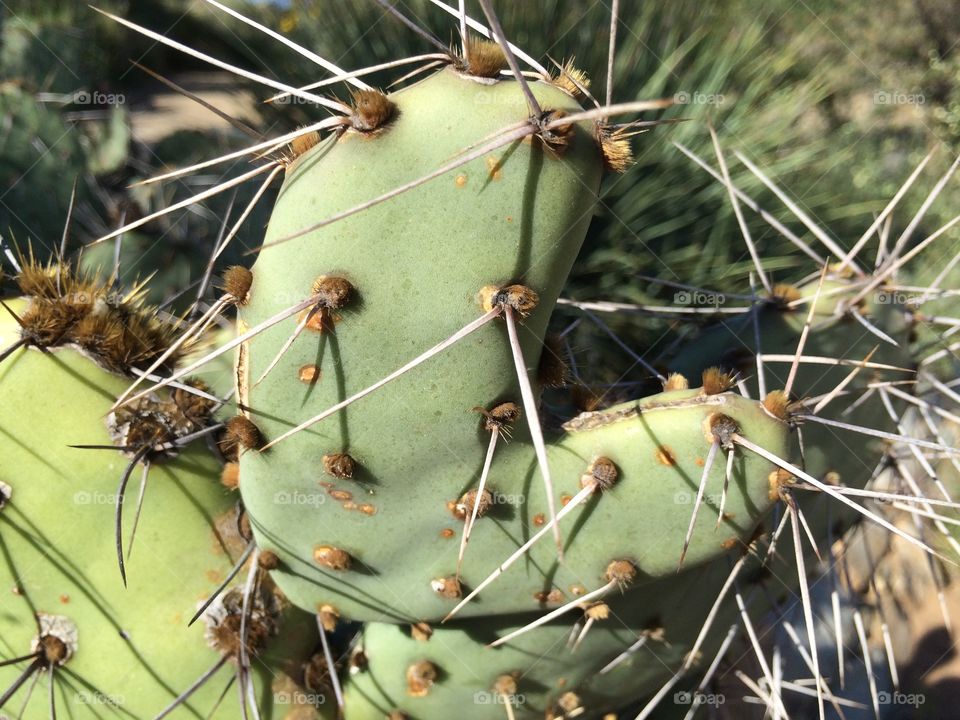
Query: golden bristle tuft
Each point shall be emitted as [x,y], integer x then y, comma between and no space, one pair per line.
[715,381]
[485,58]
[572,80]
[371,110]
[615,148]
[675,381]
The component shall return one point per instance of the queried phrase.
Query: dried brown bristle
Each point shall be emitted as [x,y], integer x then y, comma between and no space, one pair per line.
[332,558]
[332,292]
[397,715]
[339,465]
[463,509]
[224,620]
[603,471]
[53,650]
[302,143]
[675,381]
[615,147]
[623,572]
[778,479]
[420,678]
[329,617]
[721,428]
[119,332]
[499,417]
[237,281]
[519,298]
[559,137]
[715,381]
[485,58]
[241,432]
[777,404]
[57,640]
[268,560]
[192,407]
[152,425]
[552,370]
[447,587]
[230,476]
[371,110]
[421,631]
[571,80]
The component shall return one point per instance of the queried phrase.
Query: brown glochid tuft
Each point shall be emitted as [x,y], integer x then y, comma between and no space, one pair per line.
[675,381]
[521,299]
[243,433]
[421,676]
[332,292]
[721,429]
[778,404]
[268,560]
[484,59]
[237,281]
[572,80]
[332,558]
[715,381]
[463,508]
[302,143]
[615,148]
[339,465]
[371,110]
[421,632]
[230,476]
[622,572]
[602,471]
[500,417]
[447,587]
[329,617]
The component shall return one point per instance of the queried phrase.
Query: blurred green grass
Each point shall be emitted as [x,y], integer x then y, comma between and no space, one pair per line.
[835,101]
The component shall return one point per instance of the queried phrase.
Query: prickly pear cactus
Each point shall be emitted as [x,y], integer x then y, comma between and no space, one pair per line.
[93,645]
[379,539]
[400,490]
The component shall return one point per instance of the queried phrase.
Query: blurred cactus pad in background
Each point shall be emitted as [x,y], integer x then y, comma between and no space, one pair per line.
[384,359]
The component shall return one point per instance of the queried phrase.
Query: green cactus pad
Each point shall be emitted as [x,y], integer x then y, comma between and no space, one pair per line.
[134,651]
